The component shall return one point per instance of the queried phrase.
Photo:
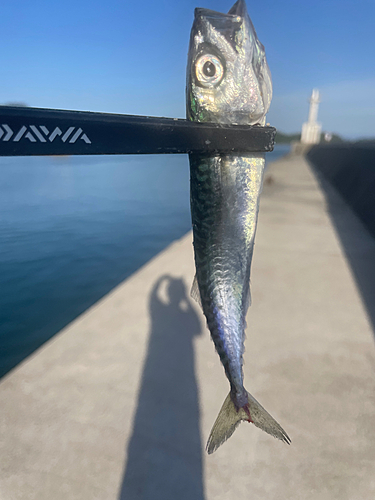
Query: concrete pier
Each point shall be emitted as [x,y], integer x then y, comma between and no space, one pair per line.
[119,405]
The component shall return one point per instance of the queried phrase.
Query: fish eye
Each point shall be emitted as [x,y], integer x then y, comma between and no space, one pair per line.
[209,71]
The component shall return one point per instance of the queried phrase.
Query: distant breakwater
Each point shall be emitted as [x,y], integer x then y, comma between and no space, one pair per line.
[350,168]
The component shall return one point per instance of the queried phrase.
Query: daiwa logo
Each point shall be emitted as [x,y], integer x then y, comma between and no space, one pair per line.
[42,134]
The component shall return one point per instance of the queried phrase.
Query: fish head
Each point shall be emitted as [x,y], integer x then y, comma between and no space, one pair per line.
[228,79]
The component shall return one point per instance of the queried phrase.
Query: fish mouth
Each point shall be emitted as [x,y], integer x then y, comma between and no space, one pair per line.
[227,24]
[238,9]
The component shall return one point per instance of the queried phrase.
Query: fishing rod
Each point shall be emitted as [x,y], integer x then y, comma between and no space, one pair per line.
[26,131]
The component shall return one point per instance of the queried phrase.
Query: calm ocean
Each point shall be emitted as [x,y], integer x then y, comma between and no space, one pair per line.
[73,228]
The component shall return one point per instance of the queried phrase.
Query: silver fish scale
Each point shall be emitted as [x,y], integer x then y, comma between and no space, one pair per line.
[224,206]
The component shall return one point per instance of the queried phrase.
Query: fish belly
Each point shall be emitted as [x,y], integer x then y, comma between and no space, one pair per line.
[225,193]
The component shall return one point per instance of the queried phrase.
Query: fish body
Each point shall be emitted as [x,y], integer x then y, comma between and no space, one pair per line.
[228,81]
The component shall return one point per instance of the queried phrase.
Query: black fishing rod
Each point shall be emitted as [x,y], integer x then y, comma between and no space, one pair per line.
[28,131]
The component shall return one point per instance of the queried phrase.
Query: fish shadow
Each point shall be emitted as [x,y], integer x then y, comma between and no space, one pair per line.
[164,455]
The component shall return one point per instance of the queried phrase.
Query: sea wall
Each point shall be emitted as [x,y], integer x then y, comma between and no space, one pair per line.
[350,168]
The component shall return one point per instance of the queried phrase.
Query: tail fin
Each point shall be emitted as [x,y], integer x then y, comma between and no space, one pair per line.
[229,418]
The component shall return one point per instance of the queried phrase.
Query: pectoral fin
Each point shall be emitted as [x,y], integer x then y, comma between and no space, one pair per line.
[195,293]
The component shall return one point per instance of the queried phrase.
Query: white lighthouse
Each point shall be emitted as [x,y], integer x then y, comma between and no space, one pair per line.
[311,129]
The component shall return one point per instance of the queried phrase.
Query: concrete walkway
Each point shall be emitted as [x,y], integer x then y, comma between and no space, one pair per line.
[119,405]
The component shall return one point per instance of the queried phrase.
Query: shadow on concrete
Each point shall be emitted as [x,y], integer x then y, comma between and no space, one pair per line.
[349,167]
[357,243]
[164,456]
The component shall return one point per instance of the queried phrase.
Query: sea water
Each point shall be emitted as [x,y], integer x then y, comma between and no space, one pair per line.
[73,228]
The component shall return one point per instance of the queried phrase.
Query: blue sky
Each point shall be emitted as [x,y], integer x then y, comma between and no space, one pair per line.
[130,57]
